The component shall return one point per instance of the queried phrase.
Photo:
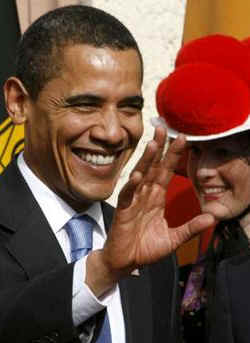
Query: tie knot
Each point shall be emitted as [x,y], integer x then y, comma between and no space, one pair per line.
[80,232]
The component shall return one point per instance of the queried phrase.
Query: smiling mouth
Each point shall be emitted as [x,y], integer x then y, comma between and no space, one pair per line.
[96,159]
[212,191]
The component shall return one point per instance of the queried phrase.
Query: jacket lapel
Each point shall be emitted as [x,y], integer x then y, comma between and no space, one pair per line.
[137,308]
[32,242]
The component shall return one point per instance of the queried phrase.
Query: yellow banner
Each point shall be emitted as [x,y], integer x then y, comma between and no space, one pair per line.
[205,17]
[11,141]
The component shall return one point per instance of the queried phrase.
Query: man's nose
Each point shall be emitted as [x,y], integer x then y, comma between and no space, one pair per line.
[109,129]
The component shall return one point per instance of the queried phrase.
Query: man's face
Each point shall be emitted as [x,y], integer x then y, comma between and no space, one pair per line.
[86,123]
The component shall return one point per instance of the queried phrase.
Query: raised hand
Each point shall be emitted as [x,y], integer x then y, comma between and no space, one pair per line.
[139,234]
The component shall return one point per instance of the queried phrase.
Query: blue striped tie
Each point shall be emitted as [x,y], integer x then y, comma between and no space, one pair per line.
[80,232]
[105,334]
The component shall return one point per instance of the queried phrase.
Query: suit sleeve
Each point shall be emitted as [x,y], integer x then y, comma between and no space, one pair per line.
[35,310]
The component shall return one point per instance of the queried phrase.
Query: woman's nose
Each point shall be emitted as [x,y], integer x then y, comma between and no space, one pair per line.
[206,167]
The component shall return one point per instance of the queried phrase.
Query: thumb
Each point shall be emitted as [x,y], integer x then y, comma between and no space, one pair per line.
[193,227]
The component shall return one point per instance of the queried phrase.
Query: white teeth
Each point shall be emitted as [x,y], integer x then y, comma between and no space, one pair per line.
[97,159]
[94,159]
[213,190]
[100,159]
[88,157]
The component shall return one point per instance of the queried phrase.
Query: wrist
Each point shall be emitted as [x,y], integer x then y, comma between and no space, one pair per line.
[100,278]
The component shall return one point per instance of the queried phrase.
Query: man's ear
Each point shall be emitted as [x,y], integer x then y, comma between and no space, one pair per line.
[16,100]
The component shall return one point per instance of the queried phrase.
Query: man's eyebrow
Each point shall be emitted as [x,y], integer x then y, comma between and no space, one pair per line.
[80,98]
[85,98]
[132,100]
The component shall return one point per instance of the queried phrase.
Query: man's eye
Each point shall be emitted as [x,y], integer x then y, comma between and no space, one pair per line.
[132,108]
[81,104]
[85,104]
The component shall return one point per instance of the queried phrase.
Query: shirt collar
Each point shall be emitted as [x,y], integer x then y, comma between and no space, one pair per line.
[55,209]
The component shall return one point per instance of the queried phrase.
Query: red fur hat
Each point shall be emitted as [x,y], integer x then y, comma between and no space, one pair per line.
[207,96]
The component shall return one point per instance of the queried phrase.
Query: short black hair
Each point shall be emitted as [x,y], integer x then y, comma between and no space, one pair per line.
[38,52]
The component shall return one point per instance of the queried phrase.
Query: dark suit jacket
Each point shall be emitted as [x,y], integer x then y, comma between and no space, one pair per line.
[36,281]
[231,322]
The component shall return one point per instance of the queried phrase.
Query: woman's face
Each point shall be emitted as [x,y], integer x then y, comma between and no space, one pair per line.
[220,172]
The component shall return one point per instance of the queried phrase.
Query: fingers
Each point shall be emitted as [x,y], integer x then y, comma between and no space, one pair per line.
[160,137]
[146,160]
[153,167]
[150,157]
[151,160]
[174,155]
[153,151]
[128,191]
[164,164]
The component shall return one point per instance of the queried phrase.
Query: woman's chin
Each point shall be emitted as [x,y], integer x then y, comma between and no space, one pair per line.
[218,211]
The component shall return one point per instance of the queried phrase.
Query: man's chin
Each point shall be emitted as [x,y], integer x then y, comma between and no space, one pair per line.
[93,195]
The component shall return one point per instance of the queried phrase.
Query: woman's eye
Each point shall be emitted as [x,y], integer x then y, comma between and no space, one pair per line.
[224,152]
[194,150]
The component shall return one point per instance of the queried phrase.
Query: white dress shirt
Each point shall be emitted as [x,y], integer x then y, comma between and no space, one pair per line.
[58,213]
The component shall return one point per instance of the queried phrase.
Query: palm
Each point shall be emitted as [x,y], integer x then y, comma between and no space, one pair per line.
[140,233]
